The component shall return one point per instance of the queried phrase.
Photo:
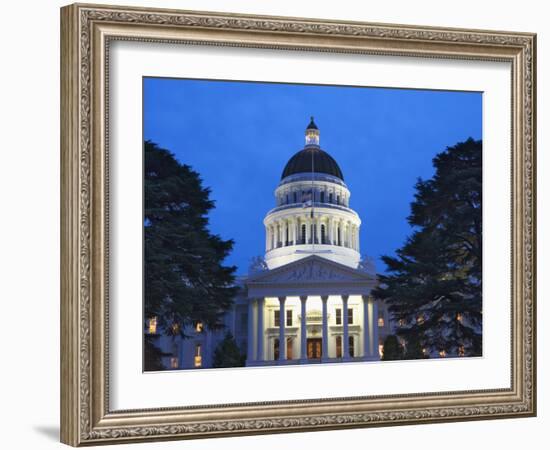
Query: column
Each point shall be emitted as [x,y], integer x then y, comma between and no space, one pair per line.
[366,328]
[303,328]
[318,228]
[293,231]
[374,320]
[282,323]
[260,329]
[308,230]
[324,352]
[267,238]
[250,349]
[329,231]
[345,318]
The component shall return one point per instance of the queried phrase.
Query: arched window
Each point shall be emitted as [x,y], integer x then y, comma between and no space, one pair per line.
[323,235]
[337,199]
[330,197]
[303,237]
[339,236]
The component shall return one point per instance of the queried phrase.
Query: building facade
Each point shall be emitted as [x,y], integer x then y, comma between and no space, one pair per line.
[312,301]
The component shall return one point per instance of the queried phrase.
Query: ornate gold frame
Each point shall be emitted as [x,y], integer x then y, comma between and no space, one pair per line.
[86,31]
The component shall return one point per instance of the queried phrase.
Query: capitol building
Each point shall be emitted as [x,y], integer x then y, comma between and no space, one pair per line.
[310,300]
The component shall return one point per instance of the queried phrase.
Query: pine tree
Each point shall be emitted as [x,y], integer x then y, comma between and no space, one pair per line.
[433,284]
[185,279]
[392,349]
[228,354]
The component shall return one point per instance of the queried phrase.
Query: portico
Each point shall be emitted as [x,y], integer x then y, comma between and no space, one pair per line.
[311,310]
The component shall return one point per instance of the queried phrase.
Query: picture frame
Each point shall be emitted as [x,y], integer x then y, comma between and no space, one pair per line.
[87,32]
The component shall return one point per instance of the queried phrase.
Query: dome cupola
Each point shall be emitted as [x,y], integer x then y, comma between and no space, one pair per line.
[312,215]
[312,159]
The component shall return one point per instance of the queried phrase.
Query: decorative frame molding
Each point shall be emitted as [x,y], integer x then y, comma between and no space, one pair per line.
[86,31]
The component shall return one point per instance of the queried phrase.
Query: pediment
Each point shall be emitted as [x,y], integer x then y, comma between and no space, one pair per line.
[312,269]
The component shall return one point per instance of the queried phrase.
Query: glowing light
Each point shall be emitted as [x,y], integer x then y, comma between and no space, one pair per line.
[153,325]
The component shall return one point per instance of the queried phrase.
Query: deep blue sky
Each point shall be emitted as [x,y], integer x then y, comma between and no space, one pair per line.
[239,136]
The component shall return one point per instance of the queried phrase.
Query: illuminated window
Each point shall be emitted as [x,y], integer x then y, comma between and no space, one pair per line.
[381,350]
[152,325]
[338,316]
[401,322]
[338,346]
[351,343]
[420,320]
[289,318]
[198,355]
[350,316]
[424,351]
[461,351]
[199,327]
[380,321]
[288,348]
[175,328]
[174,362]
[459,317]
[442,353]
[276,318]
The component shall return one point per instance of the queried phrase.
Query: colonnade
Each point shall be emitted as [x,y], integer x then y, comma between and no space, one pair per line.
[316,230]
[256,334]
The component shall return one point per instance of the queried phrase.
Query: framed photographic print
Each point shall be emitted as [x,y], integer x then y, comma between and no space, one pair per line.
[276,224]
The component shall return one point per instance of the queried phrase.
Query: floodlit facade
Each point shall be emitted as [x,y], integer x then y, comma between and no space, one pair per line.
[312,295]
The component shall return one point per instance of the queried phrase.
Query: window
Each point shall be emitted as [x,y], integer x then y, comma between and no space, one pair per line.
[381,350]
[174,362]
[461,351]
[322,199]
[175,328]
[199,327]
[338,316]
[198,356]
[337,199]
[289,318]
[380,321]
[442,353]
[330,197]
[287,240]
[276,349]
[287,202]
[323,235]
[350,316]
[351,343]
[338,346]
[303,234]
[276,318]
[295,197]
[288,348]
[152,325]
[339,237]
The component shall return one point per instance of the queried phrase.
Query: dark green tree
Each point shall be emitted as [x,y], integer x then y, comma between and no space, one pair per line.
[152,355]
[433,285]
[392,349]
[413,348]
[228,354]
[185,278]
